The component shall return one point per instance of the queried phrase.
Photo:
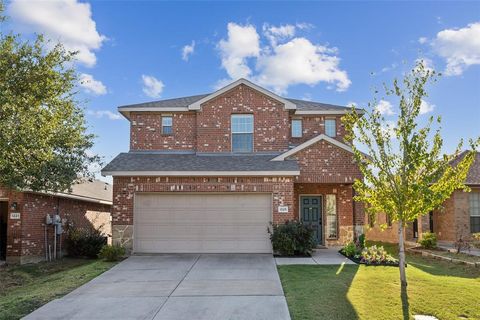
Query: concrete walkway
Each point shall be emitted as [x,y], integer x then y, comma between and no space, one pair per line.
[327,256]
[448,246]
[183,286]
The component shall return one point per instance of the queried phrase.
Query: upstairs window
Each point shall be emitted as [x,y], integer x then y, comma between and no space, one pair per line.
[474,212]
[331,127]
[167,122]
[296,128]
[242,133]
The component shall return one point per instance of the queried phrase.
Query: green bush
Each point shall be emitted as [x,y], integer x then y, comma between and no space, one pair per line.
[111,253]
[292,239]
[428,240]
[350,249]
[376,255]
[361,241]
[84,242]
[476,240]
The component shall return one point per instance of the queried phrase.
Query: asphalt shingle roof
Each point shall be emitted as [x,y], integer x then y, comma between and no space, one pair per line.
[151,161]
[185,101]
[473,176]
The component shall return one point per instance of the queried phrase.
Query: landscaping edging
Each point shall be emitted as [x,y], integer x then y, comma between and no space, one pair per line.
[440,257]
[358,261]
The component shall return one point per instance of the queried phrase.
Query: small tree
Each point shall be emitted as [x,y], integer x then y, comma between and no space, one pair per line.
[43,139]
[405,175]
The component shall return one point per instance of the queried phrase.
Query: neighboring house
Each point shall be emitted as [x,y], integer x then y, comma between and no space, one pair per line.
[209,173]
[458,218]
[24,235]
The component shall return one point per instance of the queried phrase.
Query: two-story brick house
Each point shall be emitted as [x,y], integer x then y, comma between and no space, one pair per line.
[209,173]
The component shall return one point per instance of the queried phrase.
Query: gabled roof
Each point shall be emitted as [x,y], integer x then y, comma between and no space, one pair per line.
[310,142]
[194,102]
[181,164]
[473,176]
[196,105]
[90,190]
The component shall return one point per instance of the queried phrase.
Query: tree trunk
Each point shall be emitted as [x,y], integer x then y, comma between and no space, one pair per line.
[401,254]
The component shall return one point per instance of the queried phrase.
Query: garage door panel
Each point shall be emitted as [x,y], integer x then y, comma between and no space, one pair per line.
[203,246]
[202,223]
[195,232]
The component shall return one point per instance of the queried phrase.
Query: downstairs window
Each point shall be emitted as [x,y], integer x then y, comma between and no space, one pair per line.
[474,212]
[331,214]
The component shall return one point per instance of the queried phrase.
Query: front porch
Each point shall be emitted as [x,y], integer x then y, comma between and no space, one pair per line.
[330,210]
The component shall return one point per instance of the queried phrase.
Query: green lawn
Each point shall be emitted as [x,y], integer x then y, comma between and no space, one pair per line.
[26,288]
[438,288]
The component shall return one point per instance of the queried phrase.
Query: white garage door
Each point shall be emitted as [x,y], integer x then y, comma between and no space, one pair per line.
[202,223]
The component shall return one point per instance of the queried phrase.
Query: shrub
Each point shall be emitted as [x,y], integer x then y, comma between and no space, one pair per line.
[84,242]
[376,255]
[428,241]
[292,239]
[350,249]
[476,240]
[361,241]
[111,253]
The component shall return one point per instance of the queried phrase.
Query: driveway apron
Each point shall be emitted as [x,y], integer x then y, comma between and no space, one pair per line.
[178,286]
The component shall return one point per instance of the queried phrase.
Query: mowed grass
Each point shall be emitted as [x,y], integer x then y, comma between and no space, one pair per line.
[438,288]
[26,288]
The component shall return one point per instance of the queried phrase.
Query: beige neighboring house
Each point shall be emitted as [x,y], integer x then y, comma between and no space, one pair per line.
[459,217]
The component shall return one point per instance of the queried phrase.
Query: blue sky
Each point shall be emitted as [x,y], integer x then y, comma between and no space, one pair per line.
[131,52]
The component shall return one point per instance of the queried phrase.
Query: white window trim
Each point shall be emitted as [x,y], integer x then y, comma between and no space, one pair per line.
[301,128]
[335,128]
[245,115]
[171,126]
[470,201]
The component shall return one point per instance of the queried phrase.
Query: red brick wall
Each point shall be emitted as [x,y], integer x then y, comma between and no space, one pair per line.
[313,125]
[146,131]
[326,163]
[124,189]
[26,236]
[344,207]
[271,122]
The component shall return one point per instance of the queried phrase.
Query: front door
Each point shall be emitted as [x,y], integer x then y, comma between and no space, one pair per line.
[311,209]
[3,229]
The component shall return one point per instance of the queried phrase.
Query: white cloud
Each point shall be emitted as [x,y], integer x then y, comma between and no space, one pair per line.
[90,85]
[67,21]
[388,127]
[422,40]
[243,42]
[104,113]
[459,47]
[426,107]
[384,107]
[188,50]
[286,60]
[275,34]
[152,87]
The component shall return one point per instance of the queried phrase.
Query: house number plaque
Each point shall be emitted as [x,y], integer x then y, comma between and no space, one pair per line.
[283,209]
[14,215]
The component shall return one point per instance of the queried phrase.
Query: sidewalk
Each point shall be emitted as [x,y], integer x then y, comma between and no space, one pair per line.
[327,256]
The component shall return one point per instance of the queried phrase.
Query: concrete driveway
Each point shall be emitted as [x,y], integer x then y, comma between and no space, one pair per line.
[178,286]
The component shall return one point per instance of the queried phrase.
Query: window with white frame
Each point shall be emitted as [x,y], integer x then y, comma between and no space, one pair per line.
[474,212]
[331,127]
[331,214]
[167,123]
[296,128]
[242,132]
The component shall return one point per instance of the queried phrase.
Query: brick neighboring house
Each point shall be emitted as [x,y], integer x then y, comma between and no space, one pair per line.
[23,232]
[459,217]
[208,173]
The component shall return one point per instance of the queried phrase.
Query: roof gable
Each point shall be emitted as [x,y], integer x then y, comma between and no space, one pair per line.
[289,105]
[310,142]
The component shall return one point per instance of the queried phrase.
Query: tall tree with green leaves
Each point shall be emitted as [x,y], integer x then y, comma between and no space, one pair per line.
[43,134]
[405,173]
